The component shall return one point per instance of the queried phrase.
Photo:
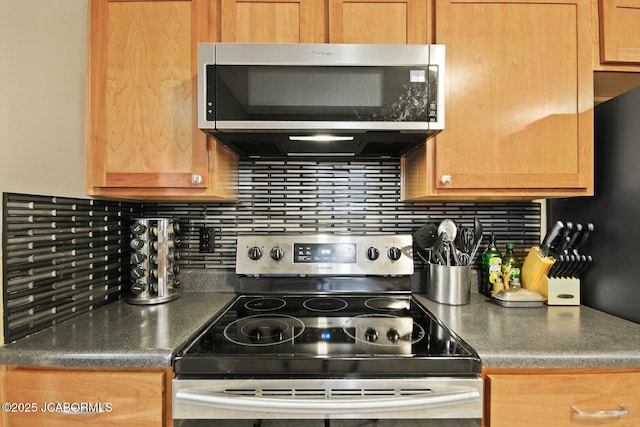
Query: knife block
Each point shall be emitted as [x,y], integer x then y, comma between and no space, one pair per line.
[534,269]
[560,291]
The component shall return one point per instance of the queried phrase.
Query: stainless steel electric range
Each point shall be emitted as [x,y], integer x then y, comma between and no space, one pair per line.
[325,327]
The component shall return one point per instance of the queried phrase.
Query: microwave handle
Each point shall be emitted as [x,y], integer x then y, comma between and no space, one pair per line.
[305,405]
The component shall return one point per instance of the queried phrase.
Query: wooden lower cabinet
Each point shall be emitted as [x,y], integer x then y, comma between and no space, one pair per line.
[550,397]
[70,397]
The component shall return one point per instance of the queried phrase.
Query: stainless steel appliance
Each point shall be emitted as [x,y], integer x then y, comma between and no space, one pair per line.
[320,99]
[325,327]
[610,282]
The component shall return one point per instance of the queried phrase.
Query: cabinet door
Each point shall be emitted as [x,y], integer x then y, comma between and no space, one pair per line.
[619,34]
[519,99]
[378,21]
[272,21]
[547,399]
[78,397]
[143,138]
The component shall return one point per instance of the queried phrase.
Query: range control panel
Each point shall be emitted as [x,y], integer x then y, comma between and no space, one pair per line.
[289,255]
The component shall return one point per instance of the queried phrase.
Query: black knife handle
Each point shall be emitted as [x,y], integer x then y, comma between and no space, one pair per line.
[550,237]
[563,243]
[588,229]
[577,233]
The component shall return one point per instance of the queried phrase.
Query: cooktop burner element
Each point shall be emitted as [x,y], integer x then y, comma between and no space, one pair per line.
[387,304]
[265,304]
[264,330]
[325,304]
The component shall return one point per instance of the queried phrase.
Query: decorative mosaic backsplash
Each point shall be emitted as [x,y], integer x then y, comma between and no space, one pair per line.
[354,197]
[62,257]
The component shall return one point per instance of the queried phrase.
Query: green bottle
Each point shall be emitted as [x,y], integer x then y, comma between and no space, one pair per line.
[491,266]
[511,268]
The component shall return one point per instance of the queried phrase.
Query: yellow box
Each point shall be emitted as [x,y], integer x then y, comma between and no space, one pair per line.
[534,269]
[561,291]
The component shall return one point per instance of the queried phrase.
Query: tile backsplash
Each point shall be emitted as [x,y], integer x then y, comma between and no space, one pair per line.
[362,197]
[62,257]
[65,256]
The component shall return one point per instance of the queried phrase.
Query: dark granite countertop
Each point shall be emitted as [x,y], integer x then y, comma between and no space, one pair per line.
[119,334]
[124,335]
[542,337]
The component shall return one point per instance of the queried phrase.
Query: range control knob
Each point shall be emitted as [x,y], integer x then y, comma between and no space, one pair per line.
[371,335]
[372,253]
[255,253]
[394,253]
[277,253]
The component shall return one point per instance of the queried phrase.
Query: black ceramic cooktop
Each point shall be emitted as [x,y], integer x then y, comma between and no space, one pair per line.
[326,336]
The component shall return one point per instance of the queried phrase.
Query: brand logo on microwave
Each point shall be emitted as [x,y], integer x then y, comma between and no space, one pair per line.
[321,53]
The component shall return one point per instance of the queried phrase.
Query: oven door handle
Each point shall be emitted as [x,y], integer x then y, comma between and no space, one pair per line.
[303,405]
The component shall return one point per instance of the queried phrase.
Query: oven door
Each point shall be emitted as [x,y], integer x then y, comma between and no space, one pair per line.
[368,399]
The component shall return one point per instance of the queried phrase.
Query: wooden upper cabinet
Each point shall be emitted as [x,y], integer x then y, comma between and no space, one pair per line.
[379,21]
[518,103]
[143,137]
[619,31]
[272,21]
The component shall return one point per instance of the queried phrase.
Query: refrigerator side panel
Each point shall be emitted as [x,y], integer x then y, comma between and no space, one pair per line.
[612,283]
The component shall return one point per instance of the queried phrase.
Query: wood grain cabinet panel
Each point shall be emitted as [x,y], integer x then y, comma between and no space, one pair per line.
[379,21]
[619,31]
[143,140]
[272,21]
[547,399]
[80,397]
[519,100]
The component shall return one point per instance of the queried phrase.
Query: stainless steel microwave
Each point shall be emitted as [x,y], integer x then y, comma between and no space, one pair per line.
[320,99]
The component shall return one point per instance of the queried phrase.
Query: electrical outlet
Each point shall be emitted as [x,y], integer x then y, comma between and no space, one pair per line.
[207,238]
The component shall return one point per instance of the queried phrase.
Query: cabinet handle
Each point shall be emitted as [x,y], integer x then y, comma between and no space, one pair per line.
[445,179]
[196,179]
[620,412]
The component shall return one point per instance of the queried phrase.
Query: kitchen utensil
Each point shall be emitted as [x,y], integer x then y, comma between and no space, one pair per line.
[449,231]
[549,238]
[565,238]
[477,237]
[588,229]
[583,266]
[426,236]
[466,240]
[437,249]
[464,243]
[575,236]
[449,227]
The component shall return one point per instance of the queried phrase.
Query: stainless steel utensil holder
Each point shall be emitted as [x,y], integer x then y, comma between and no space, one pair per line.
[154,273]
[449,284]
